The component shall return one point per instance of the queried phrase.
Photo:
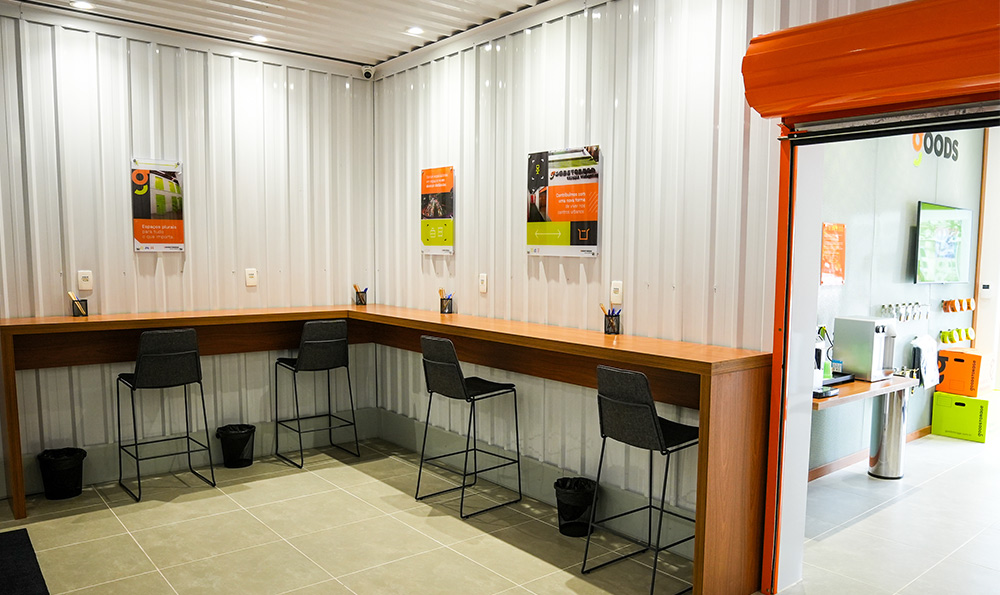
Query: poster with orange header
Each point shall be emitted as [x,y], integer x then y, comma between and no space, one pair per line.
[563,198]
[157,206]
[834,254]
[437,210]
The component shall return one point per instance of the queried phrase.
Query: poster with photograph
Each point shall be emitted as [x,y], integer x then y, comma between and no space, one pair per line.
[563,194]
[834,254]
[157,206]
[437,210]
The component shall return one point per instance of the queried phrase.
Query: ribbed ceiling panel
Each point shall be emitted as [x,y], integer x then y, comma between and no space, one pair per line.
[366,32]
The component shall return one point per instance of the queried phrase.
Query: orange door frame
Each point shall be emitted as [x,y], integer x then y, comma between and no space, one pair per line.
[912,56]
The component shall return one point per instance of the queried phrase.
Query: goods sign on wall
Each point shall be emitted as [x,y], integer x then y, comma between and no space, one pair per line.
[437,210]
[563,193]
[157,206]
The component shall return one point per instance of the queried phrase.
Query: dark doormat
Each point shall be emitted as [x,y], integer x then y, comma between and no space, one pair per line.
[19,571]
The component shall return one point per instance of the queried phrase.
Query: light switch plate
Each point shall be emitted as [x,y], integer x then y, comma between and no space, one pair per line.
[85,280]
[616,292]
[251,277]
[482,283]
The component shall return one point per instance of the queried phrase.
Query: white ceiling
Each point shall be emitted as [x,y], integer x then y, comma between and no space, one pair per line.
[359,31]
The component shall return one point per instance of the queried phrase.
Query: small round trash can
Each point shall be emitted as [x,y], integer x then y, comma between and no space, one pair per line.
[62,472]
[574,498]
[237,445]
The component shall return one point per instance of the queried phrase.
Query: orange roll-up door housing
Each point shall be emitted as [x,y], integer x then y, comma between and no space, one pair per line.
[920,54]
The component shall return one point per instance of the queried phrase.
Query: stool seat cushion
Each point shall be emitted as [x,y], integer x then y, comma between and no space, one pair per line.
[288,361]
[477,387]
[675,434]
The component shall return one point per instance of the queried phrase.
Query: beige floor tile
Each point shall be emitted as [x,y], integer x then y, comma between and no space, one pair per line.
[151,583]
[438,571]
[330,587]
[352,473]
[178,543]
[396,493]
[298,516]
[92,563]
[326,455]
[622,578]
[268,489]
[954,576]
[37,504]
[66,528]
[272,568]
[263,466]
[361,545]
[442,522]
[112,492]
[526,552]
[169,505]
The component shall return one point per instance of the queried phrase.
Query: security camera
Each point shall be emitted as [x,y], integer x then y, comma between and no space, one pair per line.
[368,71]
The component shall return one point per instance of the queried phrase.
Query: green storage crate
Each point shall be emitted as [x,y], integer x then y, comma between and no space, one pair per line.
[959,417]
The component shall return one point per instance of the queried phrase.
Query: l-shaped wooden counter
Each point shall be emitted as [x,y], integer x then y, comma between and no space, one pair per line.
[730,388]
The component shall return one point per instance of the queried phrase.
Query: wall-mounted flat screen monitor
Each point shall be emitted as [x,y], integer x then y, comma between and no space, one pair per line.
[944,243]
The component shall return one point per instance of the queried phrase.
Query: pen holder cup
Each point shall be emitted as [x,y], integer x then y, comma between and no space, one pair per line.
[612,324]
[360,298]
[79,307]
[447,306]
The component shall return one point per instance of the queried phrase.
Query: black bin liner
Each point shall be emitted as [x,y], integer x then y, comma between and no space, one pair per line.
[237,445]
[62,472]
[574,498]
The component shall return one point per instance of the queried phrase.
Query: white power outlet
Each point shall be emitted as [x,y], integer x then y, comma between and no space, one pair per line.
[616,292]
[85,280]
[482,283]
[251,277]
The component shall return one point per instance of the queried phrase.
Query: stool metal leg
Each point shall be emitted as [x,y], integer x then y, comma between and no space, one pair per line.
[298,420]
[465,465]
[517,447]
[354,415]
[663,503]
[135,444]
[593,507]
[208,449]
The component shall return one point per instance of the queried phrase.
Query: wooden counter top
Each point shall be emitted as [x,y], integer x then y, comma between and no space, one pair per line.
[859,389]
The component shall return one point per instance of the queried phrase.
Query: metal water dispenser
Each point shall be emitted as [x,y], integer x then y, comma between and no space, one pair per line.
[865,346]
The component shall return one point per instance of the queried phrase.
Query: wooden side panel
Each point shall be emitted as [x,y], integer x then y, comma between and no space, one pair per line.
[732,463]
[10,422]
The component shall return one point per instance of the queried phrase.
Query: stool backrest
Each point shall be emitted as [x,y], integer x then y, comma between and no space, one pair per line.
[442,372]
[323,345]
[167,358]
[626,410]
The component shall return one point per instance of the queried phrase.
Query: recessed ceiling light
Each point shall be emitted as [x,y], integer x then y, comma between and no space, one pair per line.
[415,31]
[81,5]
[258,39]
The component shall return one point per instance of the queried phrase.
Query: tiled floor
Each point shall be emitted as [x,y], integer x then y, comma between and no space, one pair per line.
[341,525]
[937,530]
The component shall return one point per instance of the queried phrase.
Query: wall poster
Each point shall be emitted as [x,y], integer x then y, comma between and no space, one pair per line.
[437,210]
[834,254]
[563,191]
[157,206]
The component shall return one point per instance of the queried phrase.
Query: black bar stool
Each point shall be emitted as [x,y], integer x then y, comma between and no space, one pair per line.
[627,414]
[443,375]
[323,347]
[166,359]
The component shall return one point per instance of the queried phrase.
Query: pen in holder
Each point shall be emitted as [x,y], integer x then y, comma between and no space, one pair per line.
[361,298]
[612,324]
[79,307]
[447,306]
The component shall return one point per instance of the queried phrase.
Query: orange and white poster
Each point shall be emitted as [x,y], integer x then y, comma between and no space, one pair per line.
[834,250]
[437,210]
[563,198]
[157,206]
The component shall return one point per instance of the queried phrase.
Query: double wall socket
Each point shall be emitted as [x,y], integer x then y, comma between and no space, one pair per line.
[85,280]
[616,293]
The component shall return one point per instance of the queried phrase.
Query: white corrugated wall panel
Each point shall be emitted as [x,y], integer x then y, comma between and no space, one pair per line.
[688,194]
[278,176]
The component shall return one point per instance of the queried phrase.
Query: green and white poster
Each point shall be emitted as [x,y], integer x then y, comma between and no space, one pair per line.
[563,194]
[437,210]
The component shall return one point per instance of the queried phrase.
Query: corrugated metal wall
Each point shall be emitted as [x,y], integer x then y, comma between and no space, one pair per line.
[277,166]
[688,203]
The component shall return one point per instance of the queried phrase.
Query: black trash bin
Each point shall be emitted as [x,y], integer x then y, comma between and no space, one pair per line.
[62,472]
[574,498]
[237,445]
